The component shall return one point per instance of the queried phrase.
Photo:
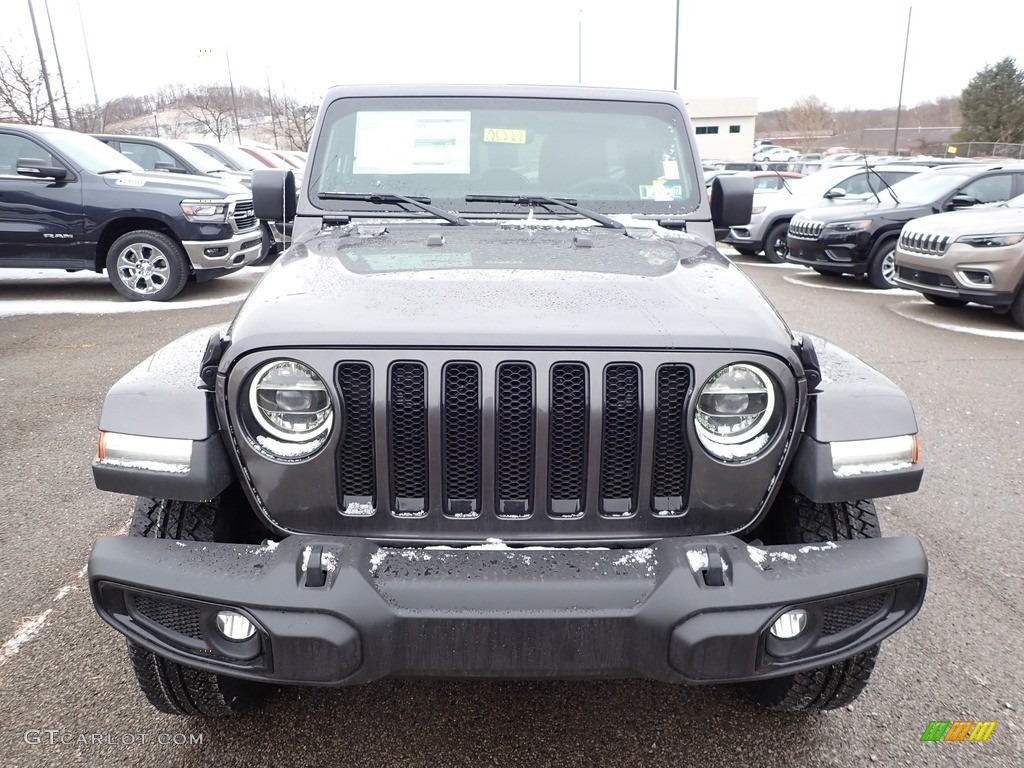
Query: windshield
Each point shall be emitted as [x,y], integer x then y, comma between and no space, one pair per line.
[925,188]
[243,159]
[607,155]
[202,161]
[90,154]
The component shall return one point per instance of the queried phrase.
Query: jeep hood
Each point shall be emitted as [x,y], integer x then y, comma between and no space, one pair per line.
[509,286]
[984,221]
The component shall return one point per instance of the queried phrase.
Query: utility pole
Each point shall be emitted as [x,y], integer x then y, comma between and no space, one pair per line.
[42,64]
[92,77]
[899,103]
[273,119]
[579,48]
[234,104]
[60,70]
[675,58]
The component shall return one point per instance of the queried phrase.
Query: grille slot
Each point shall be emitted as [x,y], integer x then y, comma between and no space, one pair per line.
[842,616]
[407,444]
[925,278]
[671,452]
[357,479]
[806,230]
[461,448]
[620,439]
[515,435]
[177,617]
[567,444]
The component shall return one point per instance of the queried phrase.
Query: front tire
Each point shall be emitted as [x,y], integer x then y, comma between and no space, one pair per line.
[171,687]
[1017,308]
[882,265]
[776,249]
[802,521]
[145,265]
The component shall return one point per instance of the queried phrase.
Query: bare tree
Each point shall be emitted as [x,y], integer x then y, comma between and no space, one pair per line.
[807,118]
[296,122]
[22,91]
[210,107]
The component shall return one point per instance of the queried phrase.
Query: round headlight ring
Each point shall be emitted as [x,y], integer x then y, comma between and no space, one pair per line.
[308,388]
[751,439]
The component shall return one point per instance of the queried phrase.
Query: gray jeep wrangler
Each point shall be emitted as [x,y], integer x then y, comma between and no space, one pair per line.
[503,410]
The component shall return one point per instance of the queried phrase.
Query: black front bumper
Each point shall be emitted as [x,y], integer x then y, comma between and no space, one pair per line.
[334,610]
[844,254]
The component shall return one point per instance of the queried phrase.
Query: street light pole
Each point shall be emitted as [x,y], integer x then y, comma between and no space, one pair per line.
[234,104]
[903,72]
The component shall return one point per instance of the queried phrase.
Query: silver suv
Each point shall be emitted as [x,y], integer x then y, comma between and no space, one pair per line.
[769,220]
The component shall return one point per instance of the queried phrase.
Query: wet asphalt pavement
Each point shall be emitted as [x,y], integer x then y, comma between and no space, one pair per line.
[67,696]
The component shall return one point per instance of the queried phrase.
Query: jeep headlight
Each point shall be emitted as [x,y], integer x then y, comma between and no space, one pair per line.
[991,241]
[849,226]
[735,411]
[205,210]
[291,407]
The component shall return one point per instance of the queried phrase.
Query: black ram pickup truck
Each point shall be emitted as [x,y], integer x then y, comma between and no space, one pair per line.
[68,201]
[503,410]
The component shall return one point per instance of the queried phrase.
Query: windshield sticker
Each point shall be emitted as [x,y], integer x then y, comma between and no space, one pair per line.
[412,142]
[504,136]
[671,169]
[398,262]
[662,190]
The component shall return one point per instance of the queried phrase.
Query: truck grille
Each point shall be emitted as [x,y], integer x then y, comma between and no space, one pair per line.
[243,216]
[927,244]
[805,229]
[476,438]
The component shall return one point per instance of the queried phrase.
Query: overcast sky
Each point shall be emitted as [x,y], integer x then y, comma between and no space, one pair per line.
[849,54]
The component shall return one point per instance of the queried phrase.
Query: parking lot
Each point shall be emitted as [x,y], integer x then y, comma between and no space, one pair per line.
[68,695]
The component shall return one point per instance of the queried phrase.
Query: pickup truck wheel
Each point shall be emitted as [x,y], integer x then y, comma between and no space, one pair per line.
[171,687]
[776,249]
[836,685]
[882,264]
[267,247]
[147,266]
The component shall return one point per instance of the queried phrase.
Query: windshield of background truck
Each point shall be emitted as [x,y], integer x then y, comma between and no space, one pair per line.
[608,155]
[90,154]
[202,161]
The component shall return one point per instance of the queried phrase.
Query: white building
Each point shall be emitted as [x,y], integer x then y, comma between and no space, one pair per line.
[724,127]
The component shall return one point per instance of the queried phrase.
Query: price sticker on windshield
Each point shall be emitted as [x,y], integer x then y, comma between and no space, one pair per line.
[504,136]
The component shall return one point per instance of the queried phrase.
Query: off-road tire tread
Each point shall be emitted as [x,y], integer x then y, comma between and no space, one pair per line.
[836,685]
[171,687]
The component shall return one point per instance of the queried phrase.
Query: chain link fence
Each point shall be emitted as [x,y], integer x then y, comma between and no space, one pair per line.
[984,149]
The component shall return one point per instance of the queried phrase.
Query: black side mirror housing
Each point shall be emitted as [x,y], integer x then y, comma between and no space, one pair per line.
[38,169]
[273,194]
[732,200]
[169,167]
[960,201]
[834,193]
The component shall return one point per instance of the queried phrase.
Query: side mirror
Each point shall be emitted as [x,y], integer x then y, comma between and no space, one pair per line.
[835,192]
[169,167]
[732,199]
[960,201]
[273,194]
[38,169]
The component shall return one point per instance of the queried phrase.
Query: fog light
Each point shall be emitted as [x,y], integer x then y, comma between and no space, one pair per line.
[787,626]
[234,626]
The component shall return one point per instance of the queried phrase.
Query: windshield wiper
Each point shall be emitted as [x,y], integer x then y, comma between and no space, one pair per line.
[541,200]
[886,183]
[423,203]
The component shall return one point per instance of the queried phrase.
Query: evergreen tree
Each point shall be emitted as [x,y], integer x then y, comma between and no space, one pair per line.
[993,105]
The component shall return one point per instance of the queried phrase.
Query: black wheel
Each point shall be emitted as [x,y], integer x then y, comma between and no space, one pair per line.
[267,247]
[802,521]
[171,687]
[776,249]
[882,264]
[745,250]
[945,301]
[147,266]
[1017,308]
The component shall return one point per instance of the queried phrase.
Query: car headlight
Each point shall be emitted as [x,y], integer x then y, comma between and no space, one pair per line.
[991,241]
[291,407]
[205,210]
[849,226]
[735,412]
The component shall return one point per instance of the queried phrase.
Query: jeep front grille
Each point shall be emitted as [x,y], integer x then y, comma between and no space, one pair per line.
[926,244]
[805,229]
[476,437]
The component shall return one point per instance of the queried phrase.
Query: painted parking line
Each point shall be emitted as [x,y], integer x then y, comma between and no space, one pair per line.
[980,323]
[814,280]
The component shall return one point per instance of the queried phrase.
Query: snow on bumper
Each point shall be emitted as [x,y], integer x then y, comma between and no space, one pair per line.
[335,610]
